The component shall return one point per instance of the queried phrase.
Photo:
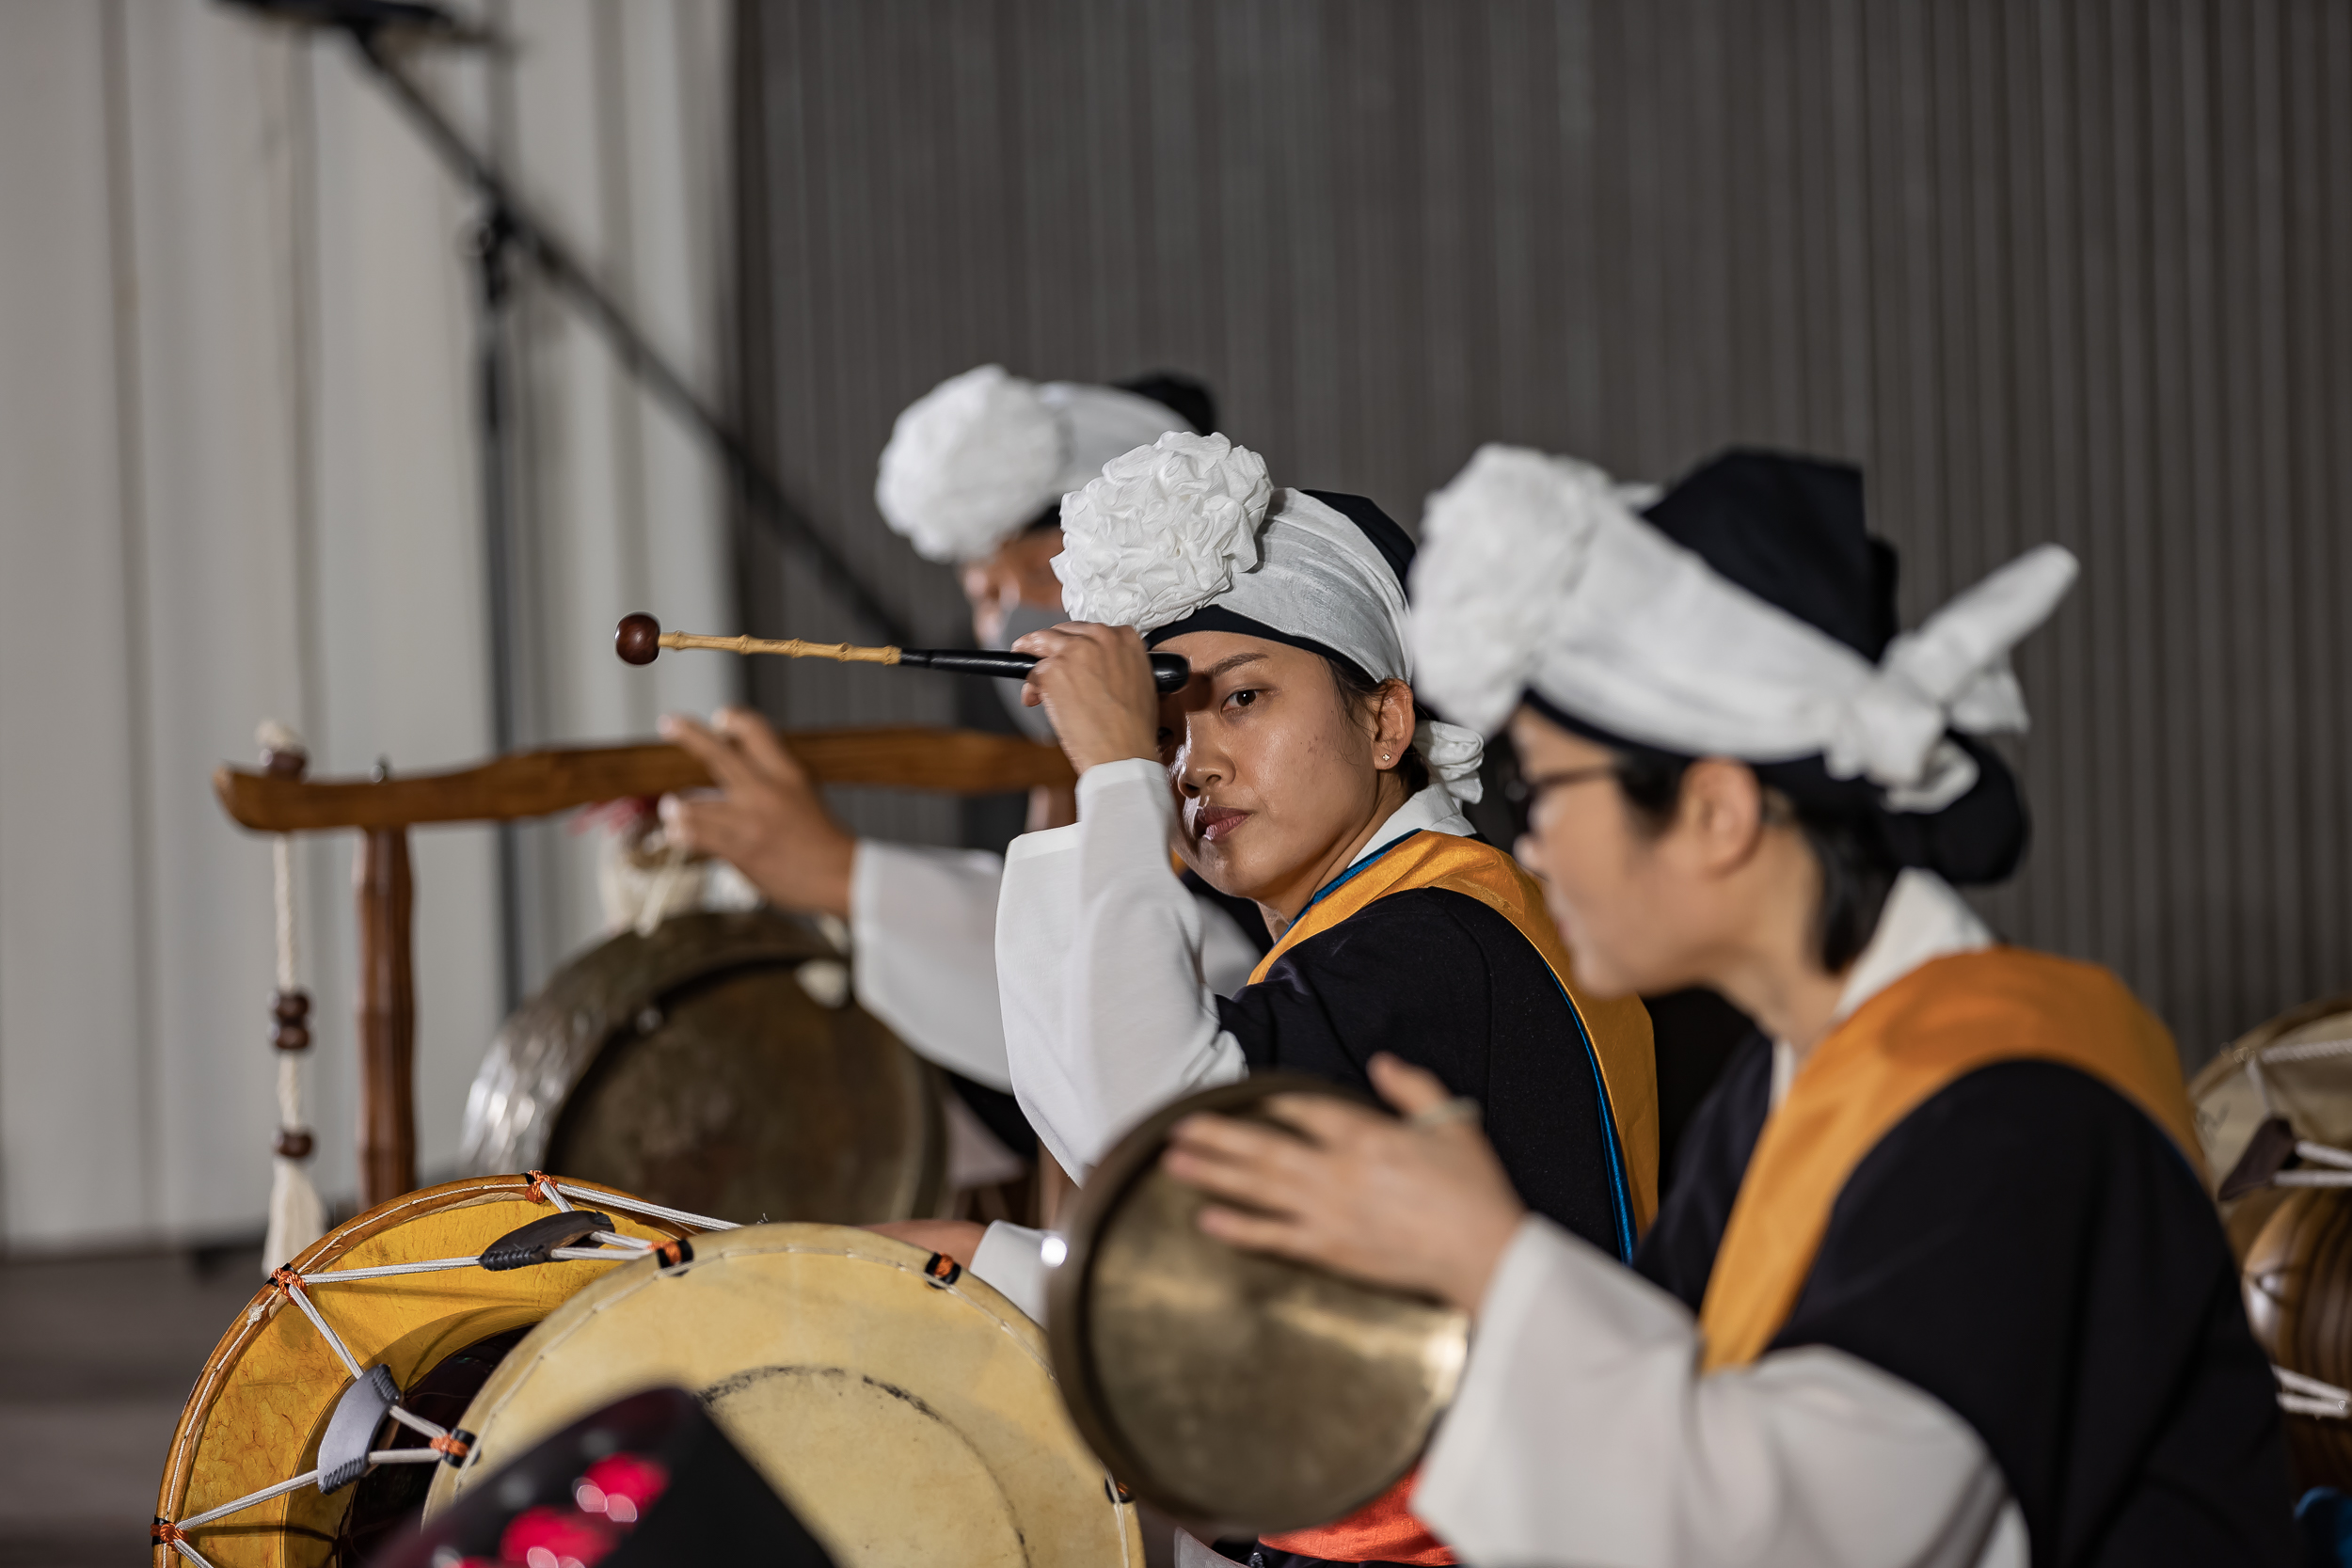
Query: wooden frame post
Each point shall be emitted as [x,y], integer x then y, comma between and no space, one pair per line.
[387,1015]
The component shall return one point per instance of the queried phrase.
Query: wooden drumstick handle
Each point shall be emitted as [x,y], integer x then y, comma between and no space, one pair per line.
[639,640]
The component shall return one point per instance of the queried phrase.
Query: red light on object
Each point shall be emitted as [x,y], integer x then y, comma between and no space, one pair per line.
[624,1484]
[556,1538]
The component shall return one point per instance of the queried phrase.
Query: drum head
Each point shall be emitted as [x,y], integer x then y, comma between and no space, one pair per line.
[904,1420]
[700,1067]
[1248,1393]
[263,1401]
[2303,1059]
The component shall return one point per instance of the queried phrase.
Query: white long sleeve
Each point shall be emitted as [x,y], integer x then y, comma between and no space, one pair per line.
[1012,1259]
[1584,1437]
[923,925]
[1107,1014]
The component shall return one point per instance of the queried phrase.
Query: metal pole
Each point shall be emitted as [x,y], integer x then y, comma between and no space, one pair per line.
[636,354]
[494,413]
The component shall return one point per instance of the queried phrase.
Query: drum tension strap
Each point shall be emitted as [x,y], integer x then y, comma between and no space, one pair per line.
[536,1242]
[941,1271]
[343,1451]
[2270,1150]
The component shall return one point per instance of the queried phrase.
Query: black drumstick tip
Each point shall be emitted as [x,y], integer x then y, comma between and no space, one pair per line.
[638,639]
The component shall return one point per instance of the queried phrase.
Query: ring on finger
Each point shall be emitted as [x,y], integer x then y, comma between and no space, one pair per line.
[1460,1108]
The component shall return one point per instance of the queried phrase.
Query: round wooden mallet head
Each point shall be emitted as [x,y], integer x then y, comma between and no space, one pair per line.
[639,639]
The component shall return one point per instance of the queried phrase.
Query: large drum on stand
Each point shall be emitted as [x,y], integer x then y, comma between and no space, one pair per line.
[719,1065]
[277,1461]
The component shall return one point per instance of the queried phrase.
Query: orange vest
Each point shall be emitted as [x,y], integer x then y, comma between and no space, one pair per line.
[1935,1025]
[1385,1529]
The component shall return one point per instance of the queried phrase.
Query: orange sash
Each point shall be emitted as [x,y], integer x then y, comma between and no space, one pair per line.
[1619,1030]
[1929,1029]
[1385,1530]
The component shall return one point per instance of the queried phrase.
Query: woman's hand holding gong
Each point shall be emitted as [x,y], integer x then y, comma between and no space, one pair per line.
[1096,684]
[1420,1204]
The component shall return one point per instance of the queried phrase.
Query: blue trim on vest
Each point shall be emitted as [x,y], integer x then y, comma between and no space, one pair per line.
[1364,864]
[1620,1191]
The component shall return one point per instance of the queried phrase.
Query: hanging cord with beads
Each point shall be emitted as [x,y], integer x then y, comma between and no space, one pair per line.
[296,1217]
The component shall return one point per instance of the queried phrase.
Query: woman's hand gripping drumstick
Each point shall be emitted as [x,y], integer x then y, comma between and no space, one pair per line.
[1095,682]
[1419,1203]
[766,818]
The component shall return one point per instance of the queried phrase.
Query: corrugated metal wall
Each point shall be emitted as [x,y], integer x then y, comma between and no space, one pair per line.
[2049,271]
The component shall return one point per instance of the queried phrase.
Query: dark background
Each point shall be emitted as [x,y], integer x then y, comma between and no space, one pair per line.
[2078,272]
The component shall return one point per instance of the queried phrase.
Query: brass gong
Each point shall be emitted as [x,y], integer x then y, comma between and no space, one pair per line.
[717,1065]
[1248,1393]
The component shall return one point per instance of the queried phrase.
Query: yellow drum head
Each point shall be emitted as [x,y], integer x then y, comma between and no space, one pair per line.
[263,1401]
[906,1420]
[2299,1066]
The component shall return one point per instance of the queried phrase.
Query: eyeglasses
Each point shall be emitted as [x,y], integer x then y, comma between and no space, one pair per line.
[1526,792]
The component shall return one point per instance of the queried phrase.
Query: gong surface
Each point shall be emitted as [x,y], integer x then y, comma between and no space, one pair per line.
[2305,1061]
[905,1421]
[699,1066]
[264,1399]
[1251,1393]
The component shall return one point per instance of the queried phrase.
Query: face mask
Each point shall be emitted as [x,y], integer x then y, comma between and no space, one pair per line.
[1022,619]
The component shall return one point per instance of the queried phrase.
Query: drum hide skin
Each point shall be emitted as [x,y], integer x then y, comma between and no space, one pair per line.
[700,1067]
[906,1423]
[2297,1285]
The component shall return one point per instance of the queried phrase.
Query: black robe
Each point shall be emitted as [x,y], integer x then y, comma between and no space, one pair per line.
[2030,1249]
[1448,984]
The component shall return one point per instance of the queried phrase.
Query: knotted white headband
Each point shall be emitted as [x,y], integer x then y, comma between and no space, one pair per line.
[1193,521]
[1533,574]
[974,459]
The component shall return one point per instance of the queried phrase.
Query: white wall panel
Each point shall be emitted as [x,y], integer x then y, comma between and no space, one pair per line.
[274,513]
[73,984]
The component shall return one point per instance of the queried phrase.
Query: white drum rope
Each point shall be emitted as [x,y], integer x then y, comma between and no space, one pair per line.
[297,1217]
[2307,1051]
[442,1444]
[638,1206]
[2299,1395]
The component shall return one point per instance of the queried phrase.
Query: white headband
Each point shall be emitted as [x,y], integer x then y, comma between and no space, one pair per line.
[1192,521]
[1535,575]
[974,459]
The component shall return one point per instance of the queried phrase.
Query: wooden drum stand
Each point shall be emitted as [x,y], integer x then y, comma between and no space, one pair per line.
[538,783]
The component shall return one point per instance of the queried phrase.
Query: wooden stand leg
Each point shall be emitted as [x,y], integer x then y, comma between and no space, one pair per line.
[387,1017]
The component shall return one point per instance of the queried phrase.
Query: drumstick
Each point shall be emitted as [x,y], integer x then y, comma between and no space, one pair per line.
[639,640]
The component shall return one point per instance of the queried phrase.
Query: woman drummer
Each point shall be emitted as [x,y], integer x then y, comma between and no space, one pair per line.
[1296,771]
[1936,1281]
[973,478]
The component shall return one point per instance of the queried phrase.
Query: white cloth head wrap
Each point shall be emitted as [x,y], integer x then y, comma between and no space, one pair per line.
[1192,521]
[1533,574]
[978,456]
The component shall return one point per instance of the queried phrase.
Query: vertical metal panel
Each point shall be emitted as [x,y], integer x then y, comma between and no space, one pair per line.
[2049,270]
